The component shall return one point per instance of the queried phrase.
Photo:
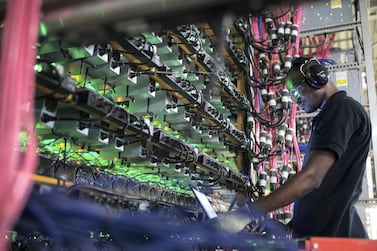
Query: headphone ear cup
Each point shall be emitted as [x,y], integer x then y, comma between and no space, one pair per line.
[317,75]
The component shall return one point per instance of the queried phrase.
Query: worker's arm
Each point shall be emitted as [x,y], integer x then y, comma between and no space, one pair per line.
[302,183]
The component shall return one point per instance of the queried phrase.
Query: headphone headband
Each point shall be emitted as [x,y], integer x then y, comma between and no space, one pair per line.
[313,71]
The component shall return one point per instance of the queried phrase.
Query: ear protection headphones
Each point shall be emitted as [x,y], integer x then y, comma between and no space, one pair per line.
[315,74]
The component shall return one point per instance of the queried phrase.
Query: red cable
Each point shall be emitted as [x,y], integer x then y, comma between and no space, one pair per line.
[297,20]
[292,124]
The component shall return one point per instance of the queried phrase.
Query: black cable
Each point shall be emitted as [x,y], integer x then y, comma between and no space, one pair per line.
[189,43]
[265,122]
[168,90]
[126,52]
[86,73]
[143,126]
[138,52]
[284,13]
[270,124]
[216,179]
[267,84]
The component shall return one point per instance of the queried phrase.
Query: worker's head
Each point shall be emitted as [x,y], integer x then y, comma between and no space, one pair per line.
[306,83]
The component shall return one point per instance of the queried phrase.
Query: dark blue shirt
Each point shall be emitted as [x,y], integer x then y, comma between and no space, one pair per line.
[344,128]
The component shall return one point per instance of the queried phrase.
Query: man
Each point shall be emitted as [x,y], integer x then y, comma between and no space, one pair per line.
[330,182]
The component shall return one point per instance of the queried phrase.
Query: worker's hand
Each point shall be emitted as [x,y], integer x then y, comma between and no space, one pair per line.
[271,227]
[234,221]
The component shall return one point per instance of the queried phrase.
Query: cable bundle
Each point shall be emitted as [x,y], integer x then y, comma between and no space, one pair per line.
[271,41]
[73,224]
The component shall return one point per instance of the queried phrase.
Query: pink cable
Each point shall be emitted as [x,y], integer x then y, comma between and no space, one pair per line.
[292,124]
[8,125]
[327,48]
[284,156]
[254,23]
[9,102]
[16,106]
[23,182]
[297,20]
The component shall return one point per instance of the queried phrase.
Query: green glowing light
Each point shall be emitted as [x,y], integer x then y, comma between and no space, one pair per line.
[141,172]
[289,84]
[43,29]
[24,139]
[38,68]
[152,38]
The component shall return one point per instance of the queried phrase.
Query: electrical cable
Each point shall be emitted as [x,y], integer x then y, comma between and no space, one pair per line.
[140,50]
[283,13]
[19,38]
[267,123]
[143,126]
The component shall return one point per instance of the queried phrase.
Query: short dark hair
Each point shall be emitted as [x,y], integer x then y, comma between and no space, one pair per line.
[294,71]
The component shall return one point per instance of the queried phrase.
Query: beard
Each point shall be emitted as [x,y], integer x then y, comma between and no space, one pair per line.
[308,108]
